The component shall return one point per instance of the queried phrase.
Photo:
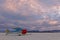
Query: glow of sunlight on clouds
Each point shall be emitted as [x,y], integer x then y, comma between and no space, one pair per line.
[10,5]
[36,7]
[52,22]
[59,10]
[13,5]
[56,8]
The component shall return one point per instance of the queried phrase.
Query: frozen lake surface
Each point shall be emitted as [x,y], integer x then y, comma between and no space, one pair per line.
[31,36]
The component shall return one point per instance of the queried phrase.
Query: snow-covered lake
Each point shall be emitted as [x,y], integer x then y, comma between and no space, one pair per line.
[31,36]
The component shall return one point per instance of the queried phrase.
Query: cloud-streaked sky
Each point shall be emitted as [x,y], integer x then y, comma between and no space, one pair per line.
[30,14]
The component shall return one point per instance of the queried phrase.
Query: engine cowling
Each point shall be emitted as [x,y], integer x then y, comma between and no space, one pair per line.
[24,31]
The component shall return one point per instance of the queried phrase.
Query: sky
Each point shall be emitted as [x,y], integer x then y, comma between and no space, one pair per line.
[30,14]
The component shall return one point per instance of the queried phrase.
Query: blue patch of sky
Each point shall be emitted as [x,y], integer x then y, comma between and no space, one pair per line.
[48,2]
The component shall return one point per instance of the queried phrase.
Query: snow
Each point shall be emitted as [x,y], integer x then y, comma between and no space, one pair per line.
[31,36]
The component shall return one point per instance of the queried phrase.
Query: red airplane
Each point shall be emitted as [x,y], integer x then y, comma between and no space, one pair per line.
[19,31]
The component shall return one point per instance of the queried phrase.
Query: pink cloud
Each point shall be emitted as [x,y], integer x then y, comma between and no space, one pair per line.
[15,6]
[53,22]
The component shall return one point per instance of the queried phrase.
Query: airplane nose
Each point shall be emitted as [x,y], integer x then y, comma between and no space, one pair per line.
[24,31]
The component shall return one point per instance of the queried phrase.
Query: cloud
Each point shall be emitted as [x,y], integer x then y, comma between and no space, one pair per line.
[13,5]
[53,22]
[17,6]
[38,8]
[30,14]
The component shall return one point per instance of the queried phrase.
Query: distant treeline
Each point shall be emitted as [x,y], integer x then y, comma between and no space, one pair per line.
[37,31]
[51,31]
